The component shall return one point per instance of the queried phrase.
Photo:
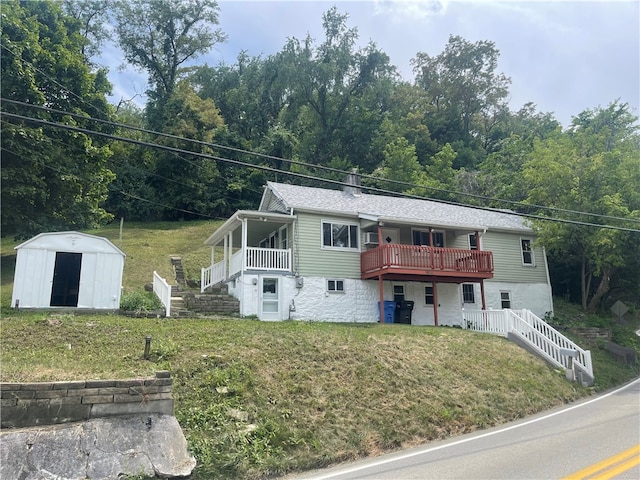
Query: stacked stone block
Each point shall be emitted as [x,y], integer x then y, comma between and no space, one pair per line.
[31,404]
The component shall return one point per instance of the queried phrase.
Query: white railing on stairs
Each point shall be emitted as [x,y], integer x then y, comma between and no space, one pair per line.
[545,340]
[163,291]
[212,275]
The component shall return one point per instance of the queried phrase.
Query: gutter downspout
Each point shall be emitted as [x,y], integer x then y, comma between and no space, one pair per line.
[546,268]
[484,302]
[380,284]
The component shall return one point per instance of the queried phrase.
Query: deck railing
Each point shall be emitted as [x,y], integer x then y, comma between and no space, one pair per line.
[163,291]
[538,334]
[425,258]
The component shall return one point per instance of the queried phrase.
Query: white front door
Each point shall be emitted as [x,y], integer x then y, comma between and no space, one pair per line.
[270,298]
[389,235]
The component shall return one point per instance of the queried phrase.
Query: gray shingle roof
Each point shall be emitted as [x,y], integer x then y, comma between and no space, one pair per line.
[386,207]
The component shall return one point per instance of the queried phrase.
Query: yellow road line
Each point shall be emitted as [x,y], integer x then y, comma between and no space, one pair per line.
[609,467]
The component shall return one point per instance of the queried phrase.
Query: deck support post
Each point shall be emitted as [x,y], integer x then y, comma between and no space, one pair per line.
[484,303]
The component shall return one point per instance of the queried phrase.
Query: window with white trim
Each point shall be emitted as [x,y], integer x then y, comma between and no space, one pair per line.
[284,243]
[335,286]
[398,293]
[505,299]
[473,242]
[527,251]
[340,235]
[468,293]
[429,297]
[422,237]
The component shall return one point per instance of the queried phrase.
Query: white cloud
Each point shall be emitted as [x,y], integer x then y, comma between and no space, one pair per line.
[410,9]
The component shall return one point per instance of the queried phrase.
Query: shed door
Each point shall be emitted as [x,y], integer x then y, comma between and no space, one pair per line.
[66,280]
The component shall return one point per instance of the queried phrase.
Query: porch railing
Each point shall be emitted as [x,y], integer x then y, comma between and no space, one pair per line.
[425,258]
[266,259]
[212,275]
[163,291]
[541,337]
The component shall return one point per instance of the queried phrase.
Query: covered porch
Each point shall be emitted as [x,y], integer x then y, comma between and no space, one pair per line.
[249,241]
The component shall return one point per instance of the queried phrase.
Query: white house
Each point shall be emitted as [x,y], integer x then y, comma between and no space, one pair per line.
[346,256]
[68,269]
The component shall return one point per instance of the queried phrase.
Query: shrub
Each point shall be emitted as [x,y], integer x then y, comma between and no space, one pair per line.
[140,302]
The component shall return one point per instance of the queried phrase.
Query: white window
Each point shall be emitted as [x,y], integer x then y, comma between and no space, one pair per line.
[340,235]
[428,295]
[473,242]
[468,293]
[422,237]
[398,293]
[284,242]
[335,286]
[527,251]
[505,299]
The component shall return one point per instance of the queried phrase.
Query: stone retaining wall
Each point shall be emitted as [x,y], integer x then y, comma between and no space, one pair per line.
[211,303]
[31,404]
[592,333]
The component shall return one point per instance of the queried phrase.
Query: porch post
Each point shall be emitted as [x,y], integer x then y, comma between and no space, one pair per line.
[431,257]
[477,240]
[381,288]
[484,303]
[435,303]
[225,258]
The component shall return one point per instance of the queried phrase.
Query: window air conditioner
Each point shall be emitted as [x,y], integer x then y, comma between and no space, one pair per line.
[371,238]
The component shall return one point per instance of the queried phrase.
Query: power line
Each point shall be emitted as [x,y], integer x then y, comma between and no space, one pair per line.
[299,175]
[526,206]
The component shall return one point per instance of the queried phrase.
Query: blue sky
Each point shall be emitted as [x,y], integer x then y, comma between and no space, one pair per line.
[565,56]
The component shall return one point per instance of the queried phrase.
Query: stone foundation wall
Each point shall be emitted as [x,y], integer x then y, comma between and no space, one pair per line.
[31,404]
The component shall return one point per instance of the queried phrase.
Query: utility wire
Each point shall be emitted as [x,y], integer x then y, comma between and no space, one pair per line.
[527,206]
[299,175]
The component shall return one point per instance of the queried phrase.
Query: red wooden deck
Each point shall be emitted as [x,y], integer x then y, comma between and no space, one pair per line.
[412,260]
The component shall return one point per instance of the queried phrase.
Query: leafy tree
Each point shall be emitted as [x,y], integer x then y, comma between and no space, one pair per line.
[468,95]
[93,16]
[161,37]
[186,182]
[592,167]
[334,89]
[132,194]
[52,179]
[400,166]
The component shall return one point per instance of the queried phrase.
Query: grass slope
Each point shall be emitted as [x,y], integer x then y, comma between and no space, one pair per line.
[259,399]
[262,398]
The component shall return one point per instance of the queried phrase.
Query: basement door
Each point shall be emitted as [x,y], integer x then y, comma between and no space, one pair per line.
[66,280]
[269,298]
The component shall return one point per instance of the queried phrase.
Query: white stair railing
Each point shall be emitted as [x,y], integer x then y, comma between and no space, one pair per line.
[163,291]
[541,337]
[212,275]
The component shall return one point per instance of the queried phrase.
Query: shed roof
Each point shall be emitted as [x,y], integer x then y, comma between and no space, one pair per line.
[71,242]
[387,208]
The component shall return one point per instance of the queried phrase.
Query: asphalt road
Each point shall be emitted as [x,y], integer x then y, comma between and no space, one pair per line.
[595,438]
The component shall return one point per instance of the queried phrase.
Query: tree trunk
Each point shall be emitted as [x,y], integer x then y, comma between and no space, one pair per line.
[585,284]
[603,288]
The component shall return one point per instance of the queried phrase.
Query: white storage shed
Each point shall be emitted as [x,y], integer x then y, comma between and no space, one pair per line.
[68,269]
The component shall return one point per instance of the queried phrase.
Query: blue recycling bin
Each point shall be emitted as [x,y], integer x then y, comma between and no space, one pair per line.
[389,311]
